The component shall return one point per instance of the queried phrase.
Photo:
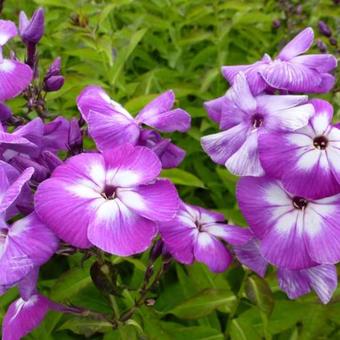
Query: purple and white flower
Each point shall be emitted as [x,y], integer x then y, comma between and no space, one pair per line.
[14,76]
[290,70]
[197,234]
[243,117]
[320,278]
[306,160]
[295,232]
[111,200]
[111,125]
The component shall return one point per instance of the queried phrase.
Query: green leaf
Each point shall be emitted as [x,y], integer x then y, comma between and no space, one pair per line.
[259,292]
[71,283]
[182,177]
[86,326]
[203,303]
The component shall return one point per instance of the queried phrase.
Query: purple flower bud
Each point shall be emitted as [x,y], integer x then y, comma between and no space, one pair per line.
[333,41]
[321,46]
[32,30]
[324,29]
[299,9]
[53,83]
[54,69]
[276,23]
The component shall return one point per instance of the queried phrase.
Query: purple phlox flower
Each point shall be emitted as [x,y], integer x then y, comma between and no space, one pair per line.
[15,76]
[110,124]
[27,312]
[197,234]
[243,117]
[32,30]
[320,278]
[111,200]
[27,242]
[295,232]
[290,70]
[306,160]
[39,144]
[169,154]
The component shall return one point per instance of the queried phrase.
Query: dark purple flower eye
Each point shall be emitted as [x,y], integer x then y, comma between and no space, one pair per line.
[257,121]
[299,202]
[320,142]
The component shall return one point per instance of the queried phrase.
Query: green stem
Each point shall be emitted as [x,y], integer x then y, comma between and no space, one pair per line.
[236,305]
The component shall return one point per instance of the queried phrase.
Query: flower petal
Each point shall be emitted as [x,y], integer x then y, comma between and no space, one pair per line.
[220,146]
[284,245]
[29,243]
[212,252]
[14,78]
[14,190]
[286,75]
[23,316]
[229,233]
[118,230]
[322,231]
[293,282]
[8,30]
[324,280]
[158,114]
[245,161]
[241,95]
[108,131]
[320,62]
[94,98]
[129,165]
[158,201]
[66,206]
[298,45]
[250,256]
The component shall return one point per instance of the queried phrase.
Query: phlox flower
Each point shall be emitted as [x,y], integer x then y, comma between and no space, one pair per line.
[110,124]
[308,159]
[320,278]
[14,76]
[26,243]
[197,234]
[295,232]
[290,70]
[111,200]
[243,117]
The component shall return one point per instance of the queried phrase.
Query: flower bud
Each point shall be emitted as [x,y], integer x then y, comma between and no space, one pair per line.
[324,29]
[333,41]
[54,69]
[50,160]
[53,83]
[299,9]
[32,30]
[276,23]
[321,46]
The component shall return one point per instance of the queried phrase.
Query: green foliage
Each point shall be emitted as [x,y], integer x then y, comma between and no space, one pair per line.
[135,50]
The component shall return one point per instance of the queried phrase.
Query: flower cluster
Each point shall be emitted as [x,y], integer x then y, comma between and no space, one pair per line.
[288,150]
[113,201]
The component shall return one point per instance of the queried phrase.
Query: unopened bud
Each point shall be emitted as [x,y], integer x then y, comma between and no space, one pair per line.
[32,30]
[54,69]
[53,83]
[324,29]
[321,46]
[276,23]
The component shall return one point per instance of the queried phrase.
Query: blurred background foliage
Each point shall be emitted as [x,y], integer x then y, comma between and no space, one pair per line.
[137,49]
